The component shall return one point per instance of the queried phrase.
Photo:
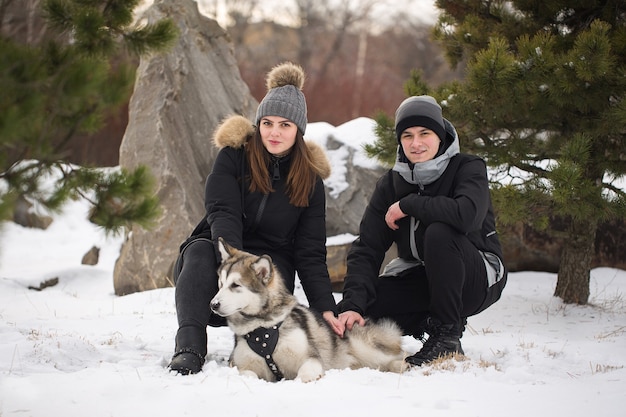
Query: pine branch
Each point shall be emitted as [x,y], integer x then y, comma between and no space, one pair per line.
[52,91]
[150,38]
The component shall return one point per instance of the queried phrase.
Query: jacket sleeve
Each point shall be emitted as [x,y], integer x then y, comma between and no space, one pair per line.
[310,252]
[368,251]
[464,210]
[223,198]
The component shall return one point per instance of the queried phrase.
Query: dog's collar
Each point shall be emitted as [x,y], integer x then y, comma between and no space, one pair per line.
[263,341]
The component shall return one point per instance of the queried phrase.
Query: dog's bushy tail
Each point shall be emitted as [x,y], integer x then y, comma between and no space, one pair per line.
[378,345]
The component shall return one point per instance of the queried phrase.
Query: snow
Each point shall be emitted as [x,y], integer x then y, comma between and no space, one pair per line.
[76,349]
[340,142]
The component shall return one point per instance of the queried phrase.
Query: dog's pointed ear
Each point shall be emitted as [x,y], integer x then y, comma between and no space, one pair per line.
[224,248]
[263,268]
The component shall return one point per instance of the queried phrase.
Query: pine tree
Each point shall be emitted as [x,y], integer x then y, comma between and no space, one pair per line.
[544,102]
[65,85]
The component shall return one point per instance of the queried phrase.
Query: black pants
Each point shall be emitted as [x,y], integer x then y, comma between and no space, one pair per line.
[450,287]
[195,276]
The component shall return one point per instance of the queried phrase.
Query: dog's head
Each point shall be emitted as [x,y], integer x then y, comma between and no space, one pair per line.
[243,281]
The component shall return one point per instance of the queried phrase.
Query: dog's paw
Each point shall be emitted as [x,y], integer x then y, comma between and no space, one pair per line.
[311,370]
[248,373]
[309,377]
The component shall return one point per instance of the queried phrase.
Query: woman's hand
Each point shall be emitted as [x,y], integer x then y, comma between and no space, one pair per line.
[393,215]
[337,326]
[349,318]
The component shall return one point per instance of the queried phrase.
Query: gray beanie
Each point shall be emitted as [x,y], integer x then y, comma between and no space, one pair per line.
[284,96]
[420,111]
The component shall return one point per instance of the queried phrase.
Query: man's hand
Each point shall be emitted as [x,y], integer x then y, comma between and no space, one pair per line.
[394,214]
[349,318]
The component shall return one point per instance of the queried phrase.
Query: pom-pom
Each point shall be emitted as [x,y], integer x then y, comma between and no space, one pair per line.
[285,74]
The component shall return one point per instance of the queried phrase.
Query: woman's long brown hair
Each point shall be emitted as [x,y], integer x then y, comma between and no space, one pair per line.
[301,179]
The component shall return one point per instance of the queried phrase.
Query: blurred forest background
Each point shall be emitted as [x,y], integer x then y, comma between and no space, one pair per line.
[357,55]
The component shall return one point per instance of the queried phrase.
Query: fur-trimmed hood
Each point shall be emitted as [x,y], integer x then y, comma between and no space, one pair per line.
[234,131]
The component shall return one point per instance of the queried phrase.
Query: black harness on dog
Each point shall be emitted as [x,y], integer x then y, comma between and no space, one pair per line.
[263,341]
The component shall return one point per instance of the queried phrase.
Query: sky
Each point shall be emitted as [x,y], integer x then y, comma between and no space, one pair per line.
[280,11]
[76,349]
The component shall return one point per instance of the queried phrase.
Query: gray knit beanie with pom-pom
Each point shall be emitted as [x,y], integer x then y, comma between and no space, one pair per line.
[284,96]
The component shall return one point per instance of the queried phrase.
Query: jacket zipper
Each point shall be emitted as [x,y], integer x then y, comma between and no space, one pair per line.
[414,225]
[275,177]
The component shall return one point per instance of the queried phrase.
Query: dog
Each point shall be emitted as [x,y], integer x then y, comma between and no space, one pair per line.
[277,338]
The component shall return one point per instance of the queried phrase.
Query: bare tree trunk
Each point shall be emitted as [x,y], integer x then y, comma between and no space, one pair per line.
[22,21]
[31,10]
[358,76]
[313,16]
[574,271]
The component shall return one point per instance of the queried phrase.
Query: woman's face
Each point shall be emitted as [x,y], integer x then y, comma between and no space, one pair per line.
[278,134]
[419,144]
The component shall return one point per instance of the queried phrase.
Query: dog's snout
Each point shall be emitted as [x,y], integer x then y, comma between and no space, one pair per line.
[215,305]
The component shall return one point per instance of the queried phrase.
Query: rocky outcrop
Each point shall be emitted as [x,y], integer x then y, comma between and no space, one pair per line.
[25,215]
[92,256]
[179,99]
[343,214]
[353,175]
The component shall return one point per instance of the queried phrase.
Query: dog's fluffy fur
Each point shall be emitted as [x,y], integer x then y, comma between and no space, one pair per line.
[252,295]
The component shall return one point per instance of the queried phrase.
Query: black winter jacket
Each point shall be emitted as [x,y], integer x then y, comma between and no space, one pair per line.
[459,197]
[294,237]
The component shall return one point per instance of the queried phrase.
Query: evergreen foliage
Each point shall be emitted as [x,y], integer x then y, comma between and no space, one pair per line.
[66,85]
[543,102]
[384,147]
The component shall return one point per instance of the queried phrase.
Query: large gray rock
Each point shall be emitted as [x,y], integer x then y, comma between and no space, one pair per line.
[353,176]
[344,212]
[179,99]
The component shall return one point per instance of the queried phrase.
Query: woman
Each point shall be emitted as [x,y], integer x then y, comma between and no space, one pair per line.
[265,195]
[435,205]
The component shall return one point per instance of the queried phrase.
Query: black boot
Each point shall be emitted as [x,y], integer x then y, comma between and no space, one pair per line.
[443,340]
[190,350]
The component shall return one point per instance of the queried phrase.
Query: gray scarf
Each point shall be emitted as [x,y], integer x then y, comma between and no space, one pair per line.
[424,173]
